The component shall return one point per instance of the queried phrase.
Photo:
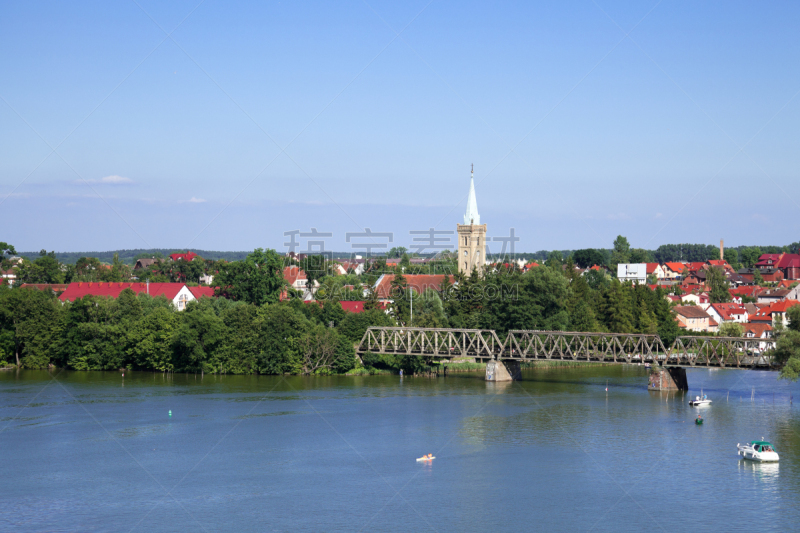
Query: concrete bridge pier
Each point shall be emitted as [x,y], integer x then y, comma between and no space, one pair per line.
[668,378]
[497,370]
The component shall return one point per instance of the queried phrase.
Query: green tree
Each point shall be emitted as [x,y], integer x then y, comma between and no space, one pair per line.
[401,295]
[750,256]
[198,336]
[397,251]
[43,269]
[554,260]
[620,253]
[257,280]
[589,257]
[640,255]
[715,279]
[28,318]
[6,252]
[730,329]
[787,349]
[617,309]
[758,279]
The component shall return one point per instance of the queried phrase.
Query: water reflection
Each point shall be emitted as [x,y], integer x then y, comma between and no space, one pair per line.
[763,472]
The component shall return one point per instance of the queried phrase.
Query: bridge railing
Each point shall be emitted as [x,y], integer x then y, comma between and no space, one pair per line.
[524,345]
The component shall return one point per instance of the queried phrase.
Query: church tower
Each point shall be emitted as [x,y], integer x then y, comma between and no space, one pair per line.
[471,236]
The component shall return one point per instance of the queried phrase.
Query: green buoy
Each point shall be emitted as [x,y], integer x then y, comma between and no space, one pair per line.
[170,412]
[698,421]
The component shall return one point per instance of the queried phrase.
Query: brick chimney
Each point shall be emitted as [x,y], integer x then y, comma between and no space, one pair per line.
[721,250]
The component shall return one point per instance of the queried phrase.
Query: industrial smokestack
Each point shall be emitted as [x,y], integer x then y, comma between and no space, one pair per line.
[721,250]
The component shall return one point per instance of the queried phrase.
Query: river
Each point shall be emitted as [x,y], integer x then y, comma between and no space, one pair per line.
[93,451]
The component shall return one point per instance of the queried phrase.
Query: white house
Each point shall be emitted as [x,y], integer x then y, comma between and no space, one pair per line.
[635,272]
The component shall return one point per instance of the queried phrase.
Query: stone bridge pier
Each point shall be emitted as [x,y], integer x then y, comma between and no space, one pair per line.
[497,370]
[668,378]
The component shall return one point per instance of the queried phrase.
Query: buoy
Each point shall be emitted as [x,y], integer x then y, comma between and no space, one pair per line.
[170,412]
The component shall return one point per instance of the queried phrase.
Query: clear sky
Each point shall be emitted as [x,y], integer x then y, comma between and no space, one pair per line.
[222,125]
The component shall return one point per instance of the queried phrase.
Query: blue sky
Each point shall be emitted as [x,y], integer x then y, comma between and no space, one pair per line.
[223,125]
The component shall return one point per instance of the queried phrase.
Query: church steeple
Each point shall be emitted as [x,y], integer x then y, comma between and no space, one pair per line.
[472,216]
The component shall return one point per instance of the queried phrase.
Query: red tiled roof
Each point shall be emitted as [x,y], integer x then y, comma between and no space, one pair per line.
[531,265]
[353,307]
[727,310]
[675,267]
[651,267]
[292,274]
[418,282]
[188,256]
[768,260]
[45,286]
[765,313]
[789,261]
[712,322]
[748,290]
[198,292]
[756,329]
[697,265]
[112,289]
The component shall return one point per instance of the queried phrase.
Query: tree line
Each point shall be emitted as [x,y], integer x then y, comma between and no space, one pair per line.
[249,329]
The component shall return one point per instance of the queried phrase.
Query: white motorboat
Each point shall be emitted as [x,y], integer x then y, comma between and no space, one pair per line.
[428,457]
[700,401]
[758,450]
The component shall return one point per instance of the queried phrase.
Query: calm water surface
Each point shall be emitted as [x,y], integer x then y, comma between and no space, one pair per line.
[93,451]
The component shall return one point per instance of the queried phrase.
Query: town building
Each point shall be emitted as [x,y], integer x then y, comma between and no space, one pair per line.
[633,272]
[419,283]
[692,317]
[727,312]
[471,236]
[788,264]
[179,293]
[774,314]
[778,295]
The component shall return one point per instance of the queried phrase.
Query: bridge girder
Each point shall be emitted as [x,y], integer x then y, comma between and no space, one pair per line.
[530,345]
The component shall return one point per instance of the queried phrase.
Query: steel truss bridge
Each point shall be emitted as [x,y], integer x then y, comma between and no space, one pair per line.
[533,345]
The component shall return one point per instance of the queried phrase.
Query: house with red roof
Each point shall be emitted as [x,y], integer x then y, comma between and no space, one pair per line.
[719,263]
[532,264]
[694,266]
[655,269]
[57,288]
[673,270]
[755,330]
[695,298]
[188,256]
[774,313]
[419,283]
[788,264]
[727,312]
[178,293]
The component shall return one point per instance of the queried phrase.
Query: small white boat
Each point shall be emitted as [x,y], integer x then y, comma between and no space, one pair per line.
[758,450]
[699,401]
[426,458]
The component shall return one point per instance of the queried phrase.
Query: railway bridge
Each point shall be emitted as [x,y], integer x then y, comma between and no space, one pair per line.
[504,355]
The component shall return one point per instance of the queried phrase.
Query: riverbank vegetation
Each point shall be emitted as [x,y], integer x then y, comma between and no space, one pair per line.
[249,330]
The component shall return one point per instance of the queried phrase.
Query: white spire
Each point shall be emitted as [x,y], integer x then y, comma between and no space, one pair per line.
[472,216]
